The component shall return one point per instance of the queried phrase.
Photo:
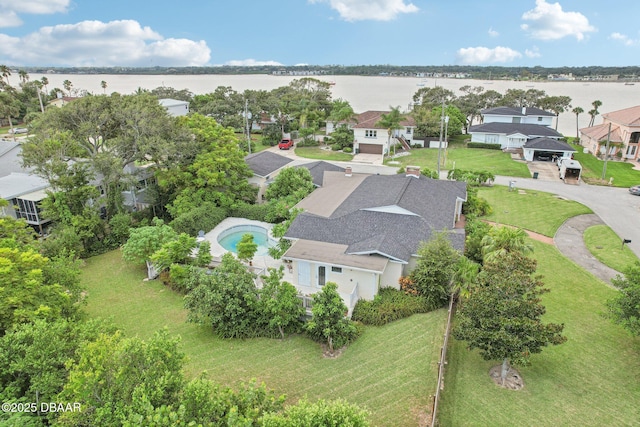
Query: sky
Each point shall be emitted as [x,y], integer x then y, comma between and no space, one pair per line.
[169,33]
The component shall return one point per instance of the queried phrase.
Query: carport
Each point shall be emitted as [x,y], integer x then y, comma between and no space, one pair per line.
[546,149]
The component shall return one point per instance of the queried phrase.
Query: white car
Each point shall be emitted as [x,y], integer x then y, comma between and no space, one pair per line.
[18,130]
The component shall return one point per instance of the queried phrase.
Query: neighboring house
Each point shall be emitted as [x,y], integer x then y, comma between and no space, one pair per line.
[528,115]
[24,192]
[61,101]
[10,160]
[265,165]
[318,170]
[547,148]
[363,231]
[369,137]
[621,128]
[175,107]
[510,135]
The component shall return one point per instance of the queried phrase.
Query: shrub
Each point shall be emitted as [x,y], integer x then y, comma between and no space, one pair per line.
[206,217]
[390,304]
[335,147]
[307,142]
[347,149]
[254,212]
[484,145]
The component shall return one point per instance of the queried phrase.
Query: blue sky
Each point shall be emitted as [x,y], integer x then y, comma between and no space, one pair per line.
[318,32]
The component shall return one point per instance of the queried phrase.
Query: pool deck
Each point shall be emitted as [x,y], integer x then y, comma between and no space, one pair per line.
[260,263]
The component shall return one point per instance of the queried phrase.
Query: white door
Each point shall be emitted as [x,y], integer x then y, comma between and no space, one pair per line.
[304,273]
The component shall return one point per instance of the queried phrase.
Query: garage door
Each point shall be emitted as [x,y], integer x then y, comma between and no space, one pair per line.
[370,148]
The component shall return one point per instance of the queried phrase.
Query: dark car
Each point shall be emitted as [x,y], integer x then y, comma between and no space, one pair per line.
[544,157]
[635,190]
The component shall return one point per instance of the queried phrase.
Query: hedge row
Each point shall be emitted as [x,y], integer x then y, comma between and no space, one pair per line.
[484,145]
[390,304]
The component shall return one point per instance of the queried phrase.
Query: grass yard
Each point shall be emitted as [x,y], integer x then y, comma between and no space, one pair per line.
[318,153]
[606,246]
[476,159]
[622,173]
[523,209]
[390,370]
[591,380]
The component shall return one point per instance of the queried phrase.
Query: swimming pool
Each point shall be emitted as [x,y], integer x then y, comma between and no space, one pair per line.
[230,237]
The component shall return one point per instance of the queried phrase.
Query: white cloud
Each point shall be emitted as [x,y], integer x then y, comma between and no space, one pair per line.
[624,39]
[250,62]
[375,10]
[96,43]
[9,9]
[532,53]
[547,21]
[484,55]
[493,33]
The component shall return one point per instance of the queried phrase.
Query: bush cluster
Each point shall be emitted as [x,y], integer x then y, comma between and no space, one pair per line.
[484,145]
[254,212]
[205,217]
[390,304]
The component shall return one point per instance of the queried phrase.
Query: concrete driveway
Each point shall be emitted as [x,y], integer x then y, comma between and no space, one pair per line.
[547,171]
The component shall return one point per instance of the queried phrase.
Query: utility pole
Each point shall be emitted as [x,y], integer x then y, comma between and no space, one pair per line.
[246,124]
[441,130]
[606,153]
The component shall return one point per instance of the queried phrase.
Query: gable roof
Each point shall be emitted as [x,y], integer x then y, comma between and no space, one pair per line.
[387,215]
[17,184]
[529,129]
[627,117]
[548,144]
[369,120]
[265,162]
[517,111]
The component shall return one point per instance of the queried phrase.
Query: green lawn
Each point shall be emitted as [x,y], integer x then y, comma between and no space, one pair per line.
[391,370]
[537,211]
[607,247]
[591,380]
[456,156]
[622,173]
[322,154]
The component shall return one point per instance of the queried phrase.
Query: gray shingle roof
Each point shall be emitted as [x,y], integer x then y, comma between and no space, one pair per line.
[317,170]
[265,163]
[366,231]
[531,130]
[548,144]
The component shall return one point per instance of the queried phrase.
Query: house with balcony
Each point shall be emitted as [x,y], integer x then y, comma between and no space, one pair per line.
[363,231]
[24,192]
[620,128]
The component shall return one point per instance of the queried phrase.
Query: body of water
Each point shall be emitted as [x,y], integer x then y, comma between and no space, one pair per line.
[369,93]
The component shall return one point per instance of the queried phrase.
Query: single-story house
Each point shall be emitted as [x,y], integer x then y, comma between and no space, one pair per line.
[265,165]
[528,115]
[510,135]
[621,128]
[363,231]
[61,101]
[546,148]
[318,169]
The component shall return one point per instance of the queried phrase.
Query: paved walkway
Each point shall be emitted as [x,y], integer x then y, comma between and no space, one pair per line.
[569,240]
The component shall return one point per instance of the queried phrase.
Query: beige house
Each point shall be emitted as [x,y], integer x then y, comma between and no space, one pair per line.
[363,231]
[621,128]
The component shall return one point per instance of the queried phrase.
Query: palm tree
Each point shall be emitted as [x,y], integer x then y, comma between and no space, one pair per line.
[103,85]
[464,277]
[5,72]
[391,121]
[45,83]
[593,113]
[67,85]
[577,111]
[501,240]
[9,107]
[24,76]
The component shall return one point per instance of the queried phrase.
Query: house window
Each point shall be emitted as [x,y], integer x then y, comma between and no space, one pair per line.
[336,269]
[322,275]
[631,150]
[539,119]
[27,209]
[408,131]
[368,133]
[515,120]
[492,138]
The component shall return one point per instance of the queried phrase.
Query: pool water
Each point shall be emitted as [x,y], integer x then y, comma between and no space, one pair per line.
[230,241]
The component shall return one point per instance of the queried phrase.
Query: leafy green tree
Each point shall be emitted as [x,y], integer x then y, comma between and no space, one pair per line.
[624,309]
[145,241]
[226,299]
[291,181]
[246,247]
[341,137]
[433,274]
[329,323]
[9,107]
[430,97]
[175,251]
[557,104]
[318,414]
[280,304]
[475,231]
[341,111]
[502,315]
[116,377]
[470,103]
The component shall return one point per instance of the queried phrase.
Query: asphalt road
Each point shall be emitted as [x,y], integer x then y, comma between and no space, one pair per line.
[615,206]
